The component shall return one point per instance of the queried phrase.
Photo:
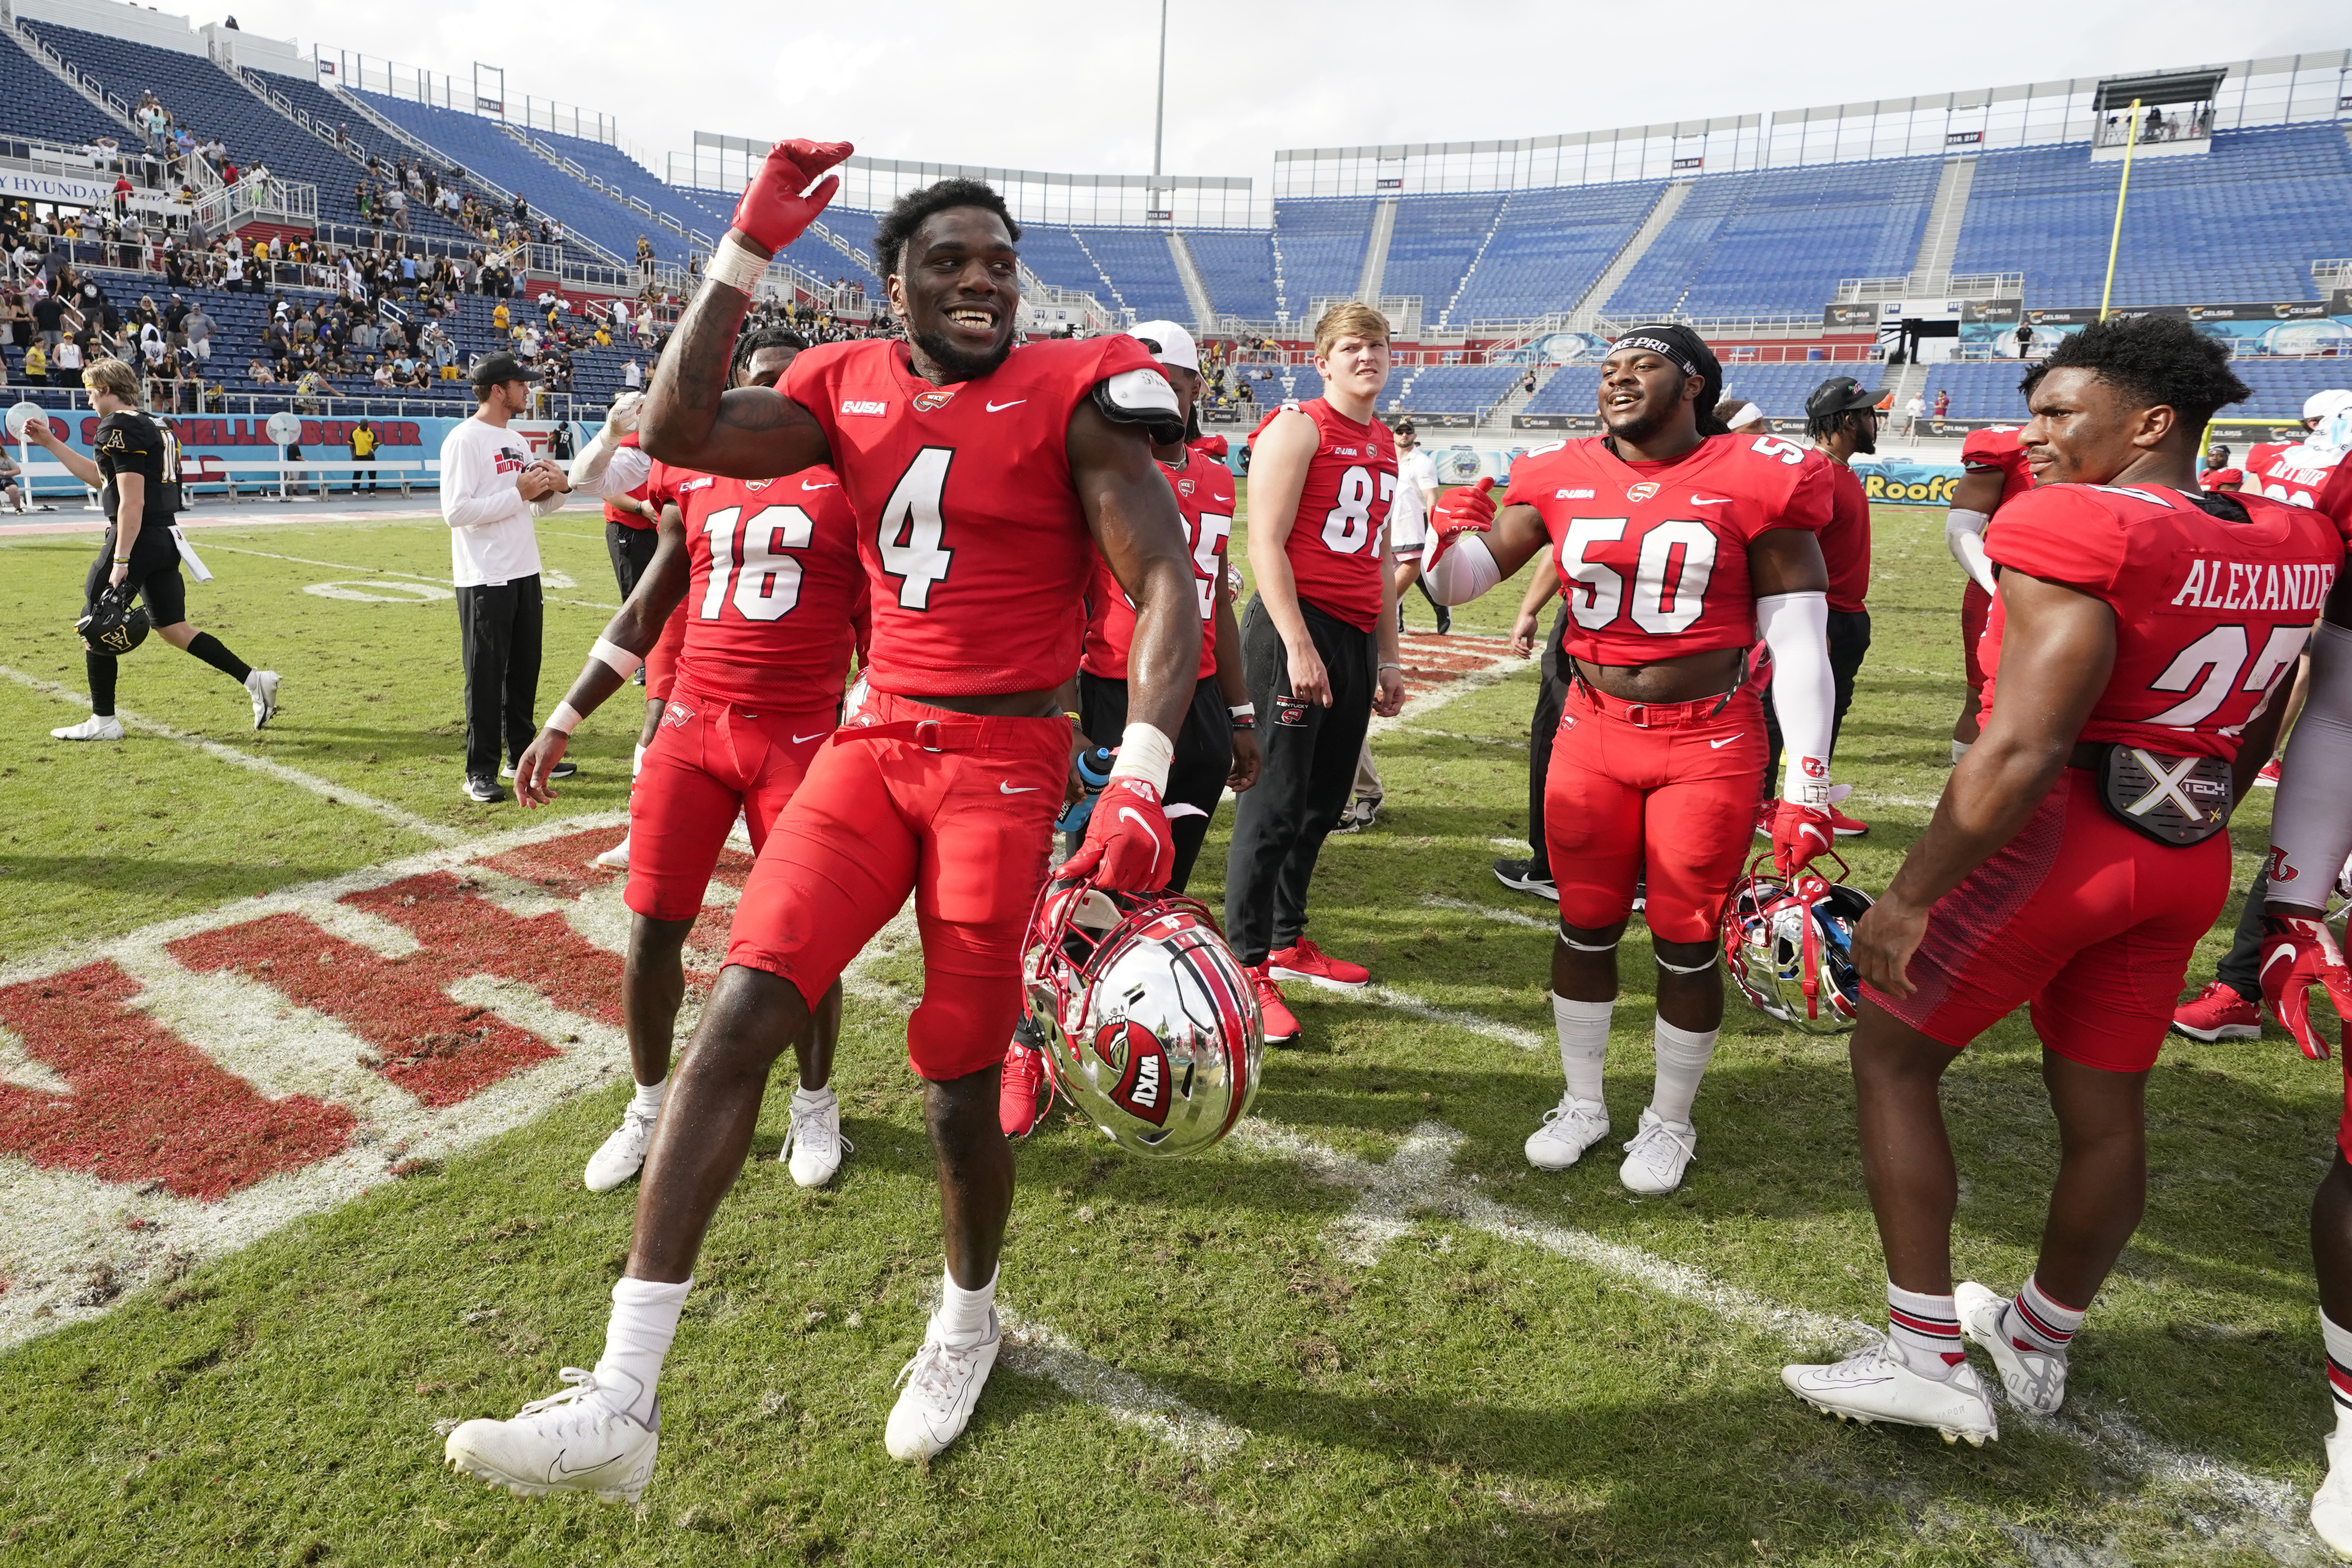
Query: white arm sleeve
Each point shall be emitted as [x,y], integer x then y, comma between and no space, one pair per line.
[609,472]
[1465,572]
[1796,627]
[1964,536]
[2311,823]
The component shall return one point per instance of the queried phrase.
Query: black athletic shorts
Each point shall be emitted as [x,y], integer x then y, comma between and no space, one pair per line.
[154,571]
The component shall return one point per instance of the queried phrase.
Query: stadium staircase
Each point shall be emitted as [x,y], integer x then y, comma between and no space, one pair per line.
[1196,292]
[1498,419]
[1931,270]
[1376,248]
[1586,312]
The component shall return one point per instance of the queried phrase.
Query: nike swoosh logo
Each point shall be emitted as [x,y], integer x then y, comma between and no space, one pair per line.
[1131,814]
[1000,407]
[1718,500]
[561,1468]
[1007,786]
[1718,745]
[804,740]
[2286,952]
[807,486]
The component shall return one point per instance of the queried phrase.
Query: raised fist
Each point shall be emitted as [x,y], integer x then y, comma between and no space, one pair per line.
[1470,510]
[779,205]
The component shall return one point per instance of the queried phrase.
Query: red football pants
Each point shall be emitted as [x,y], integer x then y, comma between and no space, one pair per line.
[965,828]
[708,760]
[1678,799]
[1976,609]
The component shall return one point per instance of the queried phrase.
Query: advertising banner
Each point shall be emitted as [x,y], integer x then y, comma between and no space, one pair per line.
[1850,318]
[1889,481]
[321,441]
[2265,326]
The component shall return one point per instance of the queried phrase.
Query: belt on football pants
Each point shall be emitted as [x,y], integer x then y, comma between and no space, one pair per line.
[1655,715]
[930,734]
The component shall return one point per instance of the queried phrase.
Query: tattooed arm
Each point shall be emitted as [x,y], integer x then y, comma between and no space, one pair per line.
[692,420]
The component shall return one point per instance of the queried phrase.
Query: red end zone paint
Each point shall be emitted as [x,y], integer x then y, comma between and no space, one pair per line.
[146,1106]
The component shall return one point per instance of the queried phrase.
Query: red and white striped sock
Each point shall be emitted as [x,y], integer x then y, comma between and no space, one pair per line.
[2339,1369]
[2037,1320]
[1926,1331]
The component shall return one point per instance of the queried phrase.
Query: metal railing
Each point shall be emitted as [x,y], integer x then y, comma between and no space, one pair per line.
[1957,286]
[337,406]
[85,82]
[257,197]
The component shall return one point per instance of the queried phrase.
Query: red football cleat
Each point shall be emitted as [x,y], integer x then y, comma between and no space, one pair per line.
[2268,778]
[1027,1088]
[1764,809]
[2217,1013]
[1302,960]
[1845,827]
[1280,1024]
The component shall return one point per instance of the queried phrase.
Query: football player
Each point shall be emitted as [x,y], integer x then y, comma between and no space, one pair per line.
[1217,748]
[1994,474]
[767,576]
[983,475]
[1676,543]
[1320,642]
[137,472]
[2140,630]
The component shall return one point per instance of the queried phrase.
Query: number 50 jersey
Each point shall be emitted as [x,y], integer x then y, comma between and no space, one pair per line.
[975,546]
[1653,557]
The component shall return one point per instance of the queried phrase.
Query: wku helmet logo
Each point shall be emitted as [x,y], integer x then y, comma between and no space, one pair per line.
[1641,492]
[1815,768]
[934,400]
[1141,1062]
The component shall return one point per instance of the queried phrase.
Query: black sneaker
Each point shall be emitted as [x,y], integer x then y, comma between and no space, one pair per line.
[1519,877]
[482,789]
[560,770]
[1444,620]
[1358,814]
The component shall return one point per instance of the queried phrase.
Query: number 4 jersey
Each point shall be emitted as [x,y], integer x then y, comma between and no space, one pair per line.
[974,543]
[2210,611]
[1653,557]
[777,594]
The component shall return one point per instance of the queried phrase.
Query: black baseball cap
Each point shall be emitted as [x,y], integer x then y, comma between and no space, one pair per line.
[497,369]
[1839,394]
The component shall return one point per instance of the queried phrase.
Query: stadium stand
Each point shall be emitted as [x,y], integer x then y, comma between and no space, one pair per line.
[1322,245]
[1779,390]
[1141,274]
[1990,391]
[1549,248]
[1458,388]
[1055,254]
[1236,266]
[1572,389]
[34,103]
[1435,241]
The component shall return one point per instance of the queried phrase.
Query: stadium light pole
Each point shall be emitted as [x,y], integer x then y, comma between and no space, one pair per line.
[2131,144]
[1160,108]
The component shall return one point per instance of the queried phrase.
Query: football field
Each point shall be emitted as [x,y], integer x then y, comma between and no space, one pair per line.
[301,1055]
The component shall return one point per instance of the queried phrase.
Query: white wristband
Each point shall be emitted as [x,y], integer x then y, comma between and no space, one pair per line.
[1144,753]
[1242,711]
[737,265]
[615,657]
[565,719]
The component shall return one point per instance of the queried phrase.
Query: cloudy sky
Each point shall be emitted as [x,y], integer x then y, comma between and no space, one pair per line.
[1059,85]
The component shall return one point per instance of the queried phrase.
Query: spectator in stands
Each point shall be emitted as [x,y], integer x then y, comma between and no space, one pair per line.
[631,378]
[1943,401]
[1913,412]
[48,320]
[67,361]
[2024,340]
[645,257]
[11,489]
[36,365]
[258,373]
[383,377]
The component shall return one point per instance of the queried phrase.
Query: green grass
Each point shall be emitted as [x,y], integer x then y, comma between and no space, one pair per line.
[1465,1399]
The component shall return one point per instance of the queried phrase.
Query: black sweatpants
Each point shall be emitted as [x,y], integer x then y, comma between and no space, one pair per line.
[1849,637]
[499,626]
[1543,728]
[1196,775]
[2241,968]
[631,550]
[1309,770]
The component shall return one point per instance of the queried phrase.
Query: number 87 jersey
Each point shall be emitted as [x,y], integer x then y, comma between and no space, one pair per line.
[1653,557]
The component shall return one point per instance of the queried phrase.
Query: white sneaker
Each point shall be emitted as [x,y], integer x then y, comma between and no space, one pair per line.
[2331,1506]
[2035,1378]
[263,686]
[617,856]
[623,1154]
[1569,1129]
[93,728]
[1657,1154]
[814,1148]
[567,1442]
[943,1382]
[1875,1385]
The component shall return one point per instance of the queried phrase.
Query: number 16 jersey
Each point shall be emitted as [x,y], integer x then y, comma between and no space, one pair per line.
[1653,557]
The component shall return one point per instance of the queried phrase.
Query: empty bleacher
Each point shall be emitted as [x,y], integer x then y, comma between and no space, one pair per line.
[33,103]
[1236,266]
[1141,271]
[1549,248]
[1572,389]
[1433,245]
[1457,388]
[1322,248]
[1780,390]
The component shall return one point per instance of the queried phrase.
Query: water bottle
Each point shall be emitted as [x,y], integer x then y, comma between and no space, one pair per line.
[1094,772]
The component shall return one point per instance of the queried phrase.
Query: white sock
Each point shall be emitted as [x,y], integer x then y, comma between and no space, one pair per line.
[1583,1043]
[649,1097]
[644,1320]
[2339,1369]
[1682,1056]
[638,765]
[1959,750]
[811,1098]
[963,1314]
[1924,1330]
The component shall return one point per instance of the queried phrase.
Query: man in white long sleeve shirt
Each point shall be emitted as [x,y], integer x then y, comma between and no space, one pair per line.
[492,493]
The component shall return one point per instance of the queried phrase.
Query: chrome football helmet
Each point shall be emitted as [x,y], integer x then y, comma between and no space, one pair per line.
[1790,947]
[1150,1024]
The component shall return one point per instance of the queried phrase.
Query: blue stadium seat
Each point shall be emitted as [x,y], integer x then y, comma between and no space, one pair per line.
[1457,388]
[1435,241]
[1549,248]
[32,103]
[1236,266]
[1142,273]
[1322,245]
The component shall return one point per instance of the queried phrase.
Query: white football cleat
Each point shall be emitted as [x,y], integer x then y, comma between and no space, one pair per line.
[2331,1506]
[1569,1129]
[942,1383]
[623,1154]
[814,1147]
[617,856]
[1657,1154]
[262,685]
[1874,1384]
[94,727]
[2035,1378]
[567,1442]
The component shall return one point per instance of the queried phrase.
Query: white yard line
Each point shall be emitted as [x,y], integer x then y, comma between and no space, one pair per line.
[1453,1018]
[1040,1350]
[334,794]
[1488,912]
[388,572]
[1501,667]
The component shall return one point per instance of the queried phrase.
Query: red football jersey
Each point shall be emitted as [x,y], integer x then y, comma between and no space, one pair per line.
[2209,613]
[1335,541]
[1999,448]
[1653,557]
[974,543]
[775,586]
[2315,477]
[629,519]
[1845,539]
[1204,494]
[2215,479]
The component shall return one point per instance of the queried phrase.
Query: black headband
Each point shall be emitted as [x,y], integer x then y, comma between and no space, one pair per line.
[1657,346]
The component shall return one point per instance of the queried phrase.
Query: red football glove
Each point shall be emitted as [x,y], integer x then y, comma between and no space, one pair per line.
[1799,833]
[1470,510]
[1211,447]
[1128,847]
[2299,953]
[774,212]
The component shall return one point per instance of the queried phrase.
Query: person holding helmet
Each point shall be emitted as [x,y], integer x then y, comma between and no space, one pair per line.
[137,474]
